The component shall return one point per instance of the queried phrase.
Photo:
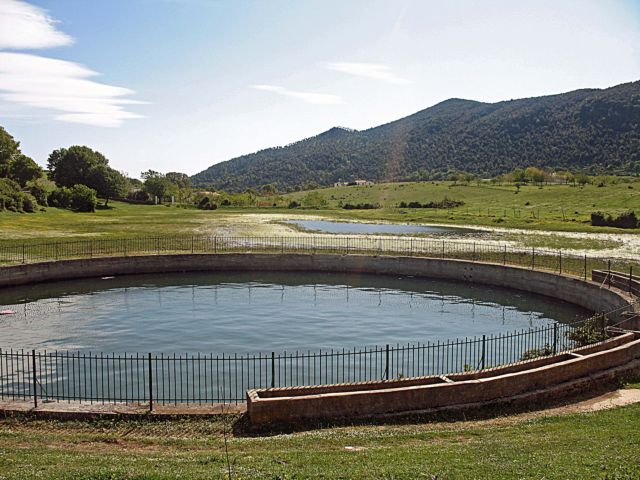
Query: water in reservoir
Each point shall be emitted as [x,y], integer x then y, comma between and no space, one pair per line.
[261,312]
[327,226]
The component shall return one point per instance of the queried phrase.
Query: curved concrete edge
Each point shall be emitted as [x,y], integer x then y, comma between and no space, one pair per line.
[568,371]
[585,293]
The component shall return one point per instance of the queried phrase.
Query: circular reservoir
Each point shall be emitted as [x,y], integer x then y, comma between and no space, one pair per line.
[259,312]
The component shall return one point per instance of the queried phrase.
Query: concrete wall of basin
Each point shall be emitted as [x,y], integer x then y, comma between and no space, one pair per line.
[588,294]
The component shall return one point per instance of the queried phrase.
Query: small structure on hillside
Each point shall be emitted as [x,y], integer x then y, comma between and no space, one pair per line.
[354,183]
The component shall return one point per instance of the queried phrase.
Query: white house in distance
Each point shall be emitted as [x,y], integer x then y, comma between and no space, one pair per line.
[354,183]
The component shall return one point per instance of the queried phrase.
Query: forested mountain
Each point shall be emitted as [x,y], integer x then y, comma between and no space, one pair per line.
[589,130]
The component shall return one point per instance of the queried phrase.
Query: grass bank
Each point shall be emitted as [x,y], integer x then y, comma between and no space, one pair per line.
[601,444]
[551,207]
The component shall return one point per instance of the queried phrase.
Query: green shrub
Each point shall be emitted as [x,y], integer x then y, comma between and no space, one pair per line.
[60,198]
[83,198]
[40,193]
[592,331]
[444,203]
[626,219]
[207,204]
[536,352]
[11,198]
[29,203]
[360,206]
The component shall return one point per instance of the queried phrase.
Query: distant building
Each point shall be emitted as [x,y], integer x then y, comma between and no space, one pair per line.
[354,183]
[363,183]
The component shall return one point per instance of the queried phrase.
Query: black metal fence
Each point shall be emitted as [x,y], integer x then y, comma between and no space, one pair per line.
[534,258]
[207,379]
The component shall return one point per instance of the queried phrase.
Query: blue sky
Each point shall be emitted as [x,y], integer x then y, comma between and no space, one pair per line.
[177,85]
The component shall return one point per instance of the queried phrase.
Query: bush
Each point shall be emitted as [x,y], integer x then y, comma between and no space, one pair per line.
[592,331]
[444,203]
[360,206]
[60,198]
[29,203]
[10,195]
[206,203]
[83,198]
[624,220]
[537,352]
[294,204]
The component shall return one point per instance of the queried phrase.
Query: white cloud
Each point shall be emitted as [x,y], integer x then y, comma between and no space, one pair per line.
[62,86]
[26,26]
[46,83]
[369,70]
[308,97]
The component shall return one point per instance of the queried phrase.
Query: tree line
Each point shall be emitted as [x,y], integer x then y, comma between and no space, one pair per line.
[75,178]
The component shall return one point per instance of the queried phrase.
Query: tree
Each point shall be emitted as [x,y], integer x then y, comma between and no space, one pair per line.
[23,169]
[519,176]
[8,148]
[535,175]
[268,189]
[83,198]
[75,165]
[582,179]
[109,183]
[180,180]
[159,186]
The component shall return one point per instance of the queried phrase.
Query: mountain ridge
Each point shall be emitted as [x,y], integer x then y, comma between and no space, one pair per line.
[588,129]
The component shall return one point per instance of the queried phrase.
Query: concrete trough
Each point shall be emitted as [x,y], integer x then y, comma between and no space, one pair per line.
[534,378]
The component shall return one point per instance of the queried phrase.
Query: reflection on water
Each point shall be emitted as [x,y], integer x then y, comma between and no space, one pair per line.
[326,226]
[251,312]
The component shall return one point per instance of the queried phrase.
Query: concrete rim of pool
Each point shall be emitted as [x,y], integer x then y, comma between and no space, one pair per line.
[607,361]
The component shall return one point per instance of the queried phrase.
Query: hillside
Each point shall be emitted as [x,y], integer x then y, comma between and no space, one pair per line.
[591,130]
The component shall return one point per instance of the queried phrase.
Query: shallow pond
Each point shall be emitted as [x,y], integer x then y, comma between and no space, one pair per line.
[327,226]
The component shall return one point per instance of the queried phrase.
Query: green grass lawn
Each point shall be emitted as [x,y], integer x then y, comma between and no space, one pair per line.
[552,207]
[600,445]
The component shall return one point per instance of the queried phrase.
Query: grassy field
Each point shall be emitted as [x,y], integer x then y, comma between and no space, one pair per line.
[552,207]
[600,444]
[560,208]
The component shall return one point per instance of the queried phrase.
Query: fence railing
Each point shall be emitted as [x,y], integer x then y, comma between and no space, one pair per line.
[534,258]
[209,379]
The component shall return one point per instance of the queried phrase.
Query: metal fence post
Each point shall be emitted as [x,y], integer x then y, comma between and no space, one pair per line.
[386,370]
[484,350]
[23,253]
[35,379]
[560,258]
[473,258]
[150,386]
[273,369]
[192,242]
[555,338]
[158,245]
[504,256]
